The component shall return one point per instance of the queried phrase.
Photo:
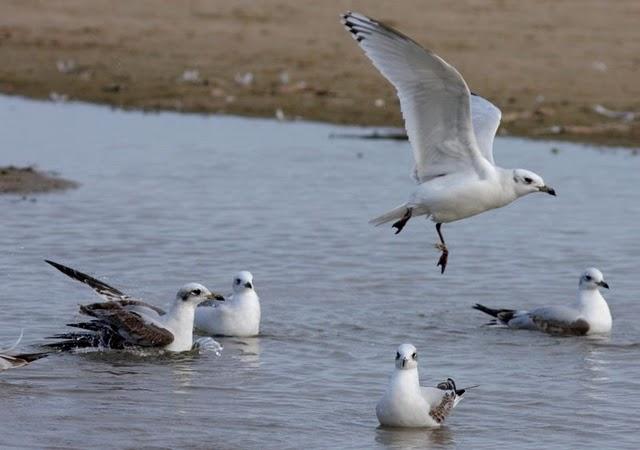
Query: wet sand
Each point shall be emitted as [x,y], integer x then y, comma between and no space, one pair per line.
[547,64]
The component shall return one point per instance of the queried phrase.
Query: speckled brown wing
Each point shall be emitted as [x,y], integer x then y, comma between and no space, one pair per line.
[578,327]
[442,410]
[135,329]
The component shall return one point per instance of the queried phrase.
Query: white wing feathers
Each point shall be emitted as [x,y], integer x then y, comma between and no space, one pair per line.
[434,99]
[485,117]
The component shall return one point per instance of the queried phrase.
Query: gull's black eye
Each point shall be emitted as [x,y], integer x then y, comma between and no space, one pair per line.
[196,292]
[415,355]
[397,355]
[528,180]
[588,278]
[238,281]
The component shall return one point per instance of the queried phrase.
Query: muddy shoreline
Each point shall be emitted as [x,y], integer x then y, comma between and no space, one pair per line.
[28,180]
[559,70]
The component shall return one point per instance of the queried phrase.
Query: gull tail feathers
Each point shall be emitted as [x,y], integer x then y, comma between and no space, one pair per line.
[486,310]
[502,316]
[394,214]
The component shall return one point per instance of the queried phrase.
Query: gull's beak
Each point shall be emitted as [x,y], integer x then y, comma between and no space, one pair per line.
[603,284]
[404,360]
[248,285]
[548,190]
[215,296]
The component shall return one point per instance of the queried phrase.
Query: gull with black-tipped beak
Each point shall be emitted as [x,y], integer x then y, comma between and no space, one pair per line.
[589,314]
[407,404]
[450,130]
[237,316]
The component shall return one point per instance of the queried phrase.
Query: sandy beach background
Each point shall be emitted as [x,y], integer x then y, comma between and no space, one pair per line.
[563,69]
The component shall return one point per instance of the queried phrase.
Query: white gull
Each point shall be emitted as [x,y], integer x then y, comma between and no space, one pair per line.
[589,314]
[238,315]
[450,130]
[407,404]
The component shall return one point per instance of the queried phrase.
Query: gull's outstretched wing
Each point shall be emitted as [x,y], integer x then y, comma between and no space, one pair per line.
[485,117]
[136,329]
[559,320]
[104,290]
[434,99]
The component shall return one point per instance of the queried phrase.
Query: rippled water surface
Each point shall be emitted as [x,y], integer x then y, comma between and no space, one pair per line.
[166,199]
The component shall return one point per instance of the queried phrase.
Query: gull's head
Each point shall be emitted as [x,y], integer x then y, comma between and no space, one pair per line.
[525,182]
[243,280]
[592,278]
[194,294]
[406,357]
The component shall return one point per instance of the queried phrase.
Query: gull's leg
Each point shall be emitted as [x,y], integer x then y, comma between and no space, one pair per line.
[399,225]
[442,262]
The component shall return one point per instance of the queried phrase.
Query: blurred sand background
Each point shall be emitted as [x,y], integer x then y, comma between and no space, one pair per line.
[567,69]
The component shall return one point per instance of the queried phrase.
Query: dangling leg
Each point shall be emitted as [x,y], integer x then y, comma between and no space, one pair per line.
[442,262]
[399,225]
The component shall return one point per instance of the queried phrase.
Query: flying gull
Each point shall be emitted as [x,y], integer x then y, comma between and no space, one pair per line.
[589,315]
[8,361]
[123,322]
[238,315]
[450,130]
[407,404]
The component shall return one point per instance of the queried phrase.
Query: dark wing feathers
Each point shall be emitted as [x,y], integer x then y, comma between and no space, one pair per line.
[578,327]
[503,315]
[103,289]
[130,325]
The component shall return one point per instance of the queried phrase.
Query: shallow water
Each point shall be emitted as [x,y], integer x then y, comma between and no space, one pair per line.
[167,198]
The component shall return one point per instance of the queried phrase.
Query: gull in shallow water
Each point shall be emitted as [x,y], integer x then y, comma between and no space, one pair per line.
[450,130]
[589,315]
[123,321]
[238,315]
[8,361]
[407,404]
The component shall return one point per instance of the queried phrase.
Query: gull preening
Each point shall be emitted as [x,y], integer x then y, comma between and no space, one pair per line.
[407,404]
[589,315]
[450,130]
[238,315]
[123,322]
[8,361]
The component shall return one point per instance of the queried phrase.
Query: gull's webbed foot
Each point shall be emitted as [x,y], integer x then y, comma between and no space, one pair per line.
[444,257]
[399,225]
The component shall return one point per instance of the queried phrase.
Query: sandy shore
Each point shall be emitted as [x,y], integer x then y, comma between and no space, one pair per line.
[563,69]
[27,180]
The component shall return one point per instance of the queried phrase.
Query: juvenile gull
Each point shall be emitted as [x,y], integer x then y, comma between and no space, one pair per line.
[450,130]
[407,404]
[589,315]
[123,322]
[8,361]
[238,316]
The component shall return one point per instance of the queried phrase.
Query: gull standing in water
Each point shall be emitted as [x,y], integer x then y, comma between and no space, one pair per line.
[407,404]
[238,316]
[8,361]
[589,315]
[123,322]
[450,130]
